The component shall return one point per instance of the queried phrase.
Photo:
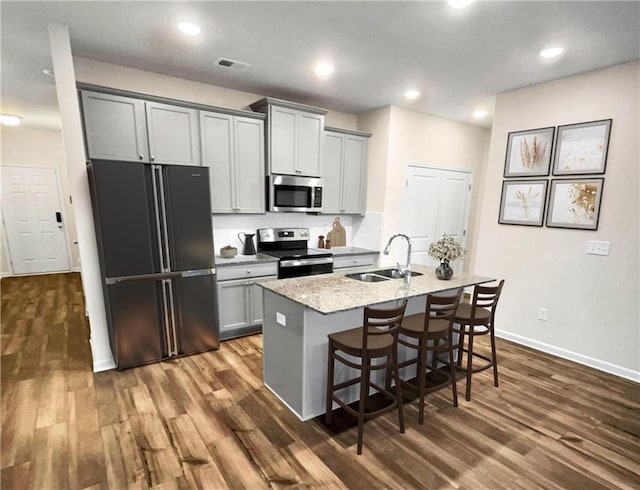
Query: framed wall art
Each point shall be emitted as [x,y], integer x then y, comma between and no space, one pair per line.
[575,203]
[529,153]
[582,148]
[522,202]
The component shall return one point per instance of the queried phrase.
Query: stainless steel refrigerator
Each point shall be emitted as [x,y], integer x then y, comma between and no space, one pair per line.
[155,241]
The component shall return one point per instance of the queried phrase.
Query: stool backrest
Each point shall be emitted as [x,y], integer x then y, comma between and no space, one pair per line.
[441,308]
[382,321]
[486,297]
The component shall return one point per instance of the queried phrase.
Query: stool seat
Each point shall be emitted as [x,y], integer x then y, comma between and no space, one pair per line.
[415,324]
[465,312]
[351,340]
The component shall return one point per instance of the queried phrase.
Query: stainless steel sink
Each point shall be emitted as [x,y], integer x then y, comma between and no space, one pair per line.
[393,273]
[381,275]
[367,277]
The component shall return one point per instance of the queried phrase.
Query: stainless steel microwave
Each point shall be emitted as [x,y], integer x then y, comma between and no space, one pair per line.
[293,193]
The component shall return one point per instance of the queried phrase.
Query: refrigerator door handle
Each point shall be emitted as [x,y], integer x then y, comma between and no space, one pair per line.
[166,291]
[144,277]
[199,272]
[172,315]
[154,183]
[163,211]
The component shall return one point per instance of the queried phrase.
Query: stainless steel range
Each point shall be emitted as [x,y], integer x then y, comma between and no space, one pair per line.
[290,246]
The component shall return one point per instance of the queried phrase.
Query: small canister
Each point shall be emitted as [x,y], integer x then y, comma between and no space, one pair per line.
[327,243]
[321,241]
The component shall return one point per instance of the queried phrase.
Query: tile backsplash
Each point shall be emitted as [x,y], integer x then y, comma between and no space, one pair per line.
[361,231]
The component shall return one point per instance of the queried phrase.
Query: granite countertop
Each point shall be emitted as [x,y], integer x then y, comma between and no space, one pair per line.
[346,251]
[331,293]
[245,259]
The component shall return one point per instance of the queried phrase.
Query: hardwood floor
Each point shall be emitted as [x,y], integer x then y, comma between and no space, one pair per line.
[206,421]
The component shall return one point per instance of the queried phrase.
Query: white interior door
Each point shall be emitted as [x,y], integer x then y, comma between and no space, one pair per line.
[436,201]
[33,220]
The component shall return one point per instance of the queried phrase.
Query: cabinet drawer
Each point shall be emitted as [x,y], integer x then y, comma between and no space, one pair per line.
[247,270]
[353,261]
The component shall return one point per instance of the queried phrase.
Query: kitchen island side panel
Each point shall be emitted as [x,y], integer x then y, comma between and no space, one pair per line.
[283,349]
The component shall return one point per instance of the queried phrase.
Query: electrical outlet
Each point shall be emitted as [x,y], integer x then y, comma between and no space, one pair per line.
[281,319]
[596,247]
[543,314]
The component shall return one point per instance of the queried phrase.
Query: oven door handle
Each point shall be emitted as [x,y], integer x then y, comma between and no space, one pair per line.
[303,262]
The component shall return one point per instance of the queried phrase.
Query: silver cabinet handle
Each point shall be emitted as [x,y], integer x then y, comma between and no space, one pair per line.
[153,159]
[141,157]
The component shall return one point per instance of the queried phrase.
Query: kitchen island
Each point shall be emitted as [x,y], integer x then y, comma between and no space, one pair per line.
[300,312]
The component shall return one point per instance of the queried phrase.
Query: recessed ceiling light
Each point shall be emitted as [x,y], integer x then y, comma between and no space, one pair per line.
[459,4]
[189,28]
[551,52]
[411,94]
[480,114]
[323,69]
[9,120]
[49,72]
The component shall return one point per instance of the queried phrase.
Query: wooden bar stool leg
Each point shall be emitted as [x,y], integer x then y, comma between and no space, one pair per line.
[421,373]
[328,413]
[364,391]
[494,358]
[452,371]
[460,345]
[469,364]
[396,376]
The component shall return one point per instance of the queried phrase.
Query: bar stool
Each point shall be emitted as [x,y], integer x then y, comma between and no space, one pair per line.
[478,318]
[378,337]
[431,332]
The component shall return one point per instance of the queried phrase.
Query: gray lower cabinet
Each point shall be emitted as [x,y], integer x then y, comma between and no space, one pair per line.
[233,148]
[240,298]
[345,172]
[129,129]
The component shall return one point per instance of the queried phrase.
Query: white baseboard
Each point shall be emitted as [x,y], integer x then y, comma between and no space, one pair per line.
[103,365]
[607,367]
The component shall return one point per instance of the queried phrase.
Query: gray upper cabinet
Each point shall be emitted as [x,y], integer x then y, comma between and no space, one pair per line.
[174,135]
[294,137]
[345,171]
[233,148]
[129,129]
[115,127]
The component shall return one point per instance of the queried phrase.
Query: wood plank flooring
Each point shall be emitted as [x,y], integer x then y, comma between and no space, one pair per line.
[207,421]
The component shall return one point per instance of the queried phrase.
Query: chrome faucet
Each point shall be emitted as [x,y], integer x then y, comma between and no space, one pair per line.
[406,270]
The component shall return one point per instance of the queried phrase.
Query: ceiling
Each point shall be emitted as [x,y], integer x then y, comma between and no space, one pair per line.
[458,59]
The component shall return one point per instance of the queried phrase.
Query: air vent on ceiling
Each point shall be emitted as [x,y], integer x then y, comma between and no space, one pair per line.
[233,64]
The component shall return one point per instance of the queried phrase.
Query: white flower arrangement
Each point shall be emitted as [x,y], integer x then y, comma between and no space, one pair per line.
[446,249]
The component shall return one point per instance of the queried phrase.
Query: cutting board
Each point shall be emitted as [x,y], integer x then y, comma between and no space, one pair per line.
[338,234]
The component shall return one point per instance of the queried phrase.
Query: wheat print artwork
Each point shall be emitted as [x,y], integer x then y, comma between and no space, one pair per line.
[523,202]
[529,153]
[575,204]
[582,148]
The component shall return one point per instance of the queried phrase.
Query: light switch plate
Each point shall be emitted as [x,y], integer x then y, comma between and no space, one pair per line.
[281,319]
[596,247]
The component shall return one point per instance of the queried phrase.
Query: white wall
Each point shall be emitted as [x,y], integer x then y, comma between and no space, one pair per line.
[36,148]
[420,139]
[593,301]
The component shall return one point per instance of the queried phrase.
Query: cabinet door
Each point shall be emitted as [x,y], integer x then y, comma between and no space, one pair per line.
[309,128]
[256,299]
[218,155]
[233,305]
[354,174]
[249,168]
[332,173]
[282,138]
[115,127]
[174,134]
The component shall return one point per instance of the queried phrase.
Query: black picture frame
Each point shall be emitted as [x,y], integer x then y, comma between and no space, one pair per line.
[529,153]
[523,202]
[582,148]
[575,203]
